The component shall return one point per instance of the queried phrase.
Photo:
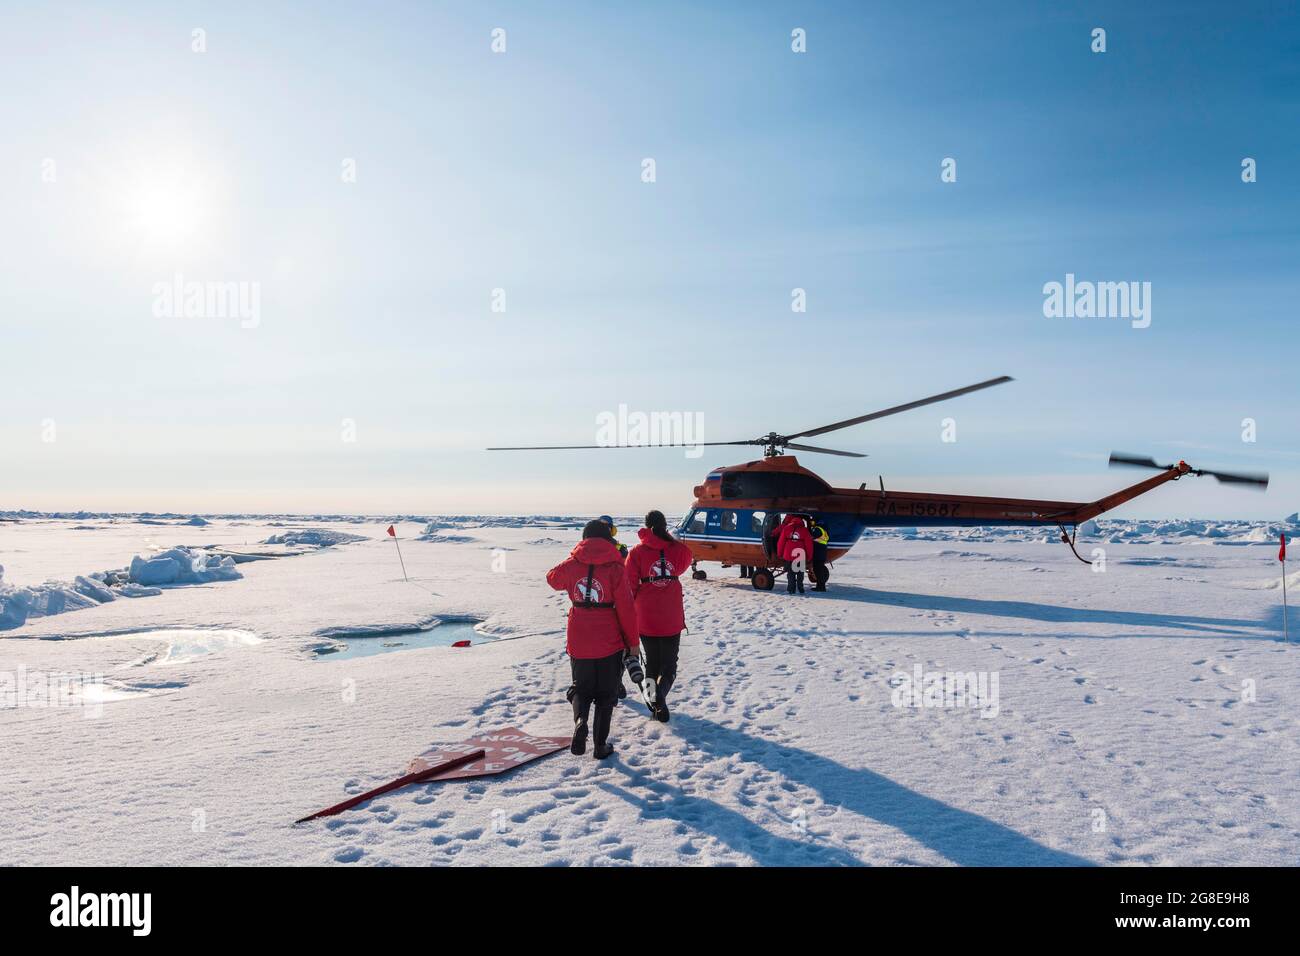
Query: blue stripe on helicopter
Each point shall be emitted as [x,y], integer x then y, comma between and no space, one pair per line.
[741,539]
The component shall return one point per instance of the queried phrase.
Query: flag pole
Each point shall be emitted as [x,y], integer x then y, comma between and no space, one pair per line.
[1282,557]
[420,776]
[392,533]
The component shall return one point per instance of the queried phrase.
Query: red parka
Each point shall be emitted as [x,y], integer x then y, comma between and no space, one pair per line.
[794,537]
[652,567]
[596,631]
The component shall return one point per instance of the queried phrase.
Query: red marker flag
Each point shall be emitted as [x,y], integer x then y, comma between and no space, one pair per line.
[393,534]
[1281,552]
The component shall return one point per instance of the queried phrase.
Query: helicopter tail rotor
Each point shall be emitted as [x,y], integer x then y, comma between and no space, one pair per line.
[1254,479]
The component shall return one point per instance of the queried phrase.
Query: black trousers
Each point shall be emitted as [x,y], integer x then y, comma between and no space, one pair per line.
[793,578]
[661,661]
[596,680]
[820,571]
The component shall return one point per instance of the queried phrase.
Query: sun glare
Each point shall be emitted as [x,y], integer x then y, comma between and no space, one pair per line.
[167,211]
[165,208]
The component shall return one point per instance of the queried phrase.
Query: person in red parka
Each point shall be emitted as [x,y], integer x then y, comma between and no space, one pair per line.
[653,569]
[795,546]
[602,627]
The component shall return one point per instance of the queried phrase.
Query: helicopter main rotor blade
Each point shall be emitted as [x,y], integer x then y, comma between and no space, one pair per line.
[670,444]
[901,408]
[824,451]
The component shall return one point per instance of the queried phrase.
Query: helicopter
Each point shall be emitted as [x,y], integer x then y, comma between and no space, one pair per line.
[737,506]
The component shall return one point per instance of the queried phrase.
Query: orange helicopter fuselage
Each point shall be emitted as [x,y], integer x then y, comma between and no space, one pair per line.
[726,522]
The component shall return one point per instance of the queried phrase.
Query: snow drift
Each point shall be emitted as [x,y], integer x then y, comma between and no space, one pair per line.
[143,578]
[182,566]
[314,538]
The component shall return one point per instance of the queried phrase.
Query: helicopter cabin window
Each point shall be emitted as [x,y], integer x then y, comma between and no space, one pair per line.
[771,484]
[729,520]
[698,518]
[756,522]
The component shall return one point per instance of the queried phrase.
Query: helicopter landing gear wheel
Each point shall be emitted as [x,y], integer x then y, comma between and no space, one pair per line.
[698,575]
[762,579]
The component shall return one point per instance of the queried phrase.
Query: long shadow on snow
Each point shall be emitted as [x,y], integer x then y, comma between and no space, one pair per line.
[1054,613]
[730,826]
[965,838]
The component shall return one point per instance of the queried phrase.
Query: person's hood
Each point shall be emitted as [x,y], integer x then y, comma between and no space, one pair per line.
[792,519]
[652,540]
[596,551]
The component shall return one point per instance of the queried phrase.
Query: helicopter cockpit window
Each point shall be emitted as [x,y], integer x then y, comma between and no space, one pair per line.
[729,519]
[771,484]
[756,522]
[697,521]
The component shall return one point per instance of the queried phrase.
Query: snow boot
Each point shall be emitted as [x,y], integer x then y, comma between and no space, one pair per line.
[604,716]
[578,746]
[660,712]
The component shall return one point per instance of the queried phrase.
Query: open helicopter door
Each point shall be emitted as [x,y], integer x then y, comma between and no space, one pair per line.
[771,522]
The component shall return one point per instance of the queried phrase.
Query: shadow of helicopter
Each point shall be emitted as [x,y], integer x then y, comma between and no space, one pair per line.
[1054,613]
[960,836]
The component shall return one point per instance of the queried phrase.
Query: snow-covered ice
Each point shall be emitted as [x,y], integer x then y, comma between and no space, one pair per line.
[142,578]
[313,537]
[1144,715]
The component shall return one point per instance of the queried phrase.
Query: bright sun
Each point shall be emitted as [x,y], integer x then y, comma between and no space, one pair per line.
[166,208]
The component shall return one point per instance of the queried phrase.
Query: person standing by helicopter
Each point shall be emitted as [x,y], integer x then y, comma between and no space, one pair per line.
[613,533]
[653,568]
[602,628]
[771,531]
[821,545]
[794,545]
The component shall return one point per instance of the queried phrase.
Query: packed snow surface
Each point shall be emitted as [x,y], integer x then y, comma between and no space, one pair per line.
[969,696]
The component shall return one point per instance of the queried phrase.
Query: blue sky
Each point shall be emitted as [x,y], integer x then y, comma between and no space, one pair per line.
[522,171]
